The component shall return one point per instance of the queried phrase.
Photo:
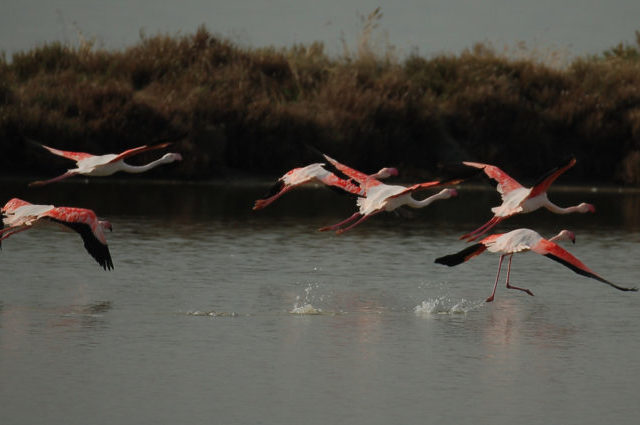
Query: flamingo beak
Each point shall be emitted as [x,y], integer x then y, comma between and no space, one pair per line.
[591,208]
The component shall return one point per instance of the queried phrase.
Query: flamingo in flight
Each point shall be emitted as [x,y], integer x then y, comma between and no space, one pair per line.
[105,165]
[316,172]
[519,199]
[381,197]
[19,215]
[523,240]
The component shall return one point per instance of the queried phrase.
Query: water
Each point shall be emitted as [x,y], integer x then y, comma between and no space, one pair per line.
[218,314]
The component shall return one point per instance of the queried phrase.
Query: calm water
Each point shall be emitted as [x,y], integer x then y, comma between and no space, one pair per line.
[216,314]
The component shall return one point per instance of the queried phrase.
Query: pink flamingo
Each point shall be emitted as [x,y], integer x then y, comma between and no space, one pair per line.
[518,199]
[19,215]
[316,172]
[381,197]
[523,240]
[105,165]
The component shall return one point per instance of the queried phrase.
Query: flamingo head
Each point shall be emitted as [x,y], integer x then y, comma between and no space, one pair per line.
[449,193]
[105,225]
[584,207]
[171,157]
[564,235]
[386,172]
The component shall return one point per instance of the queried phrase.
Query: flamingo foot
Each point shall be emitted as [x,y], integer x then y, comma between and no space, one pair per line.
[488,300]
[520,289]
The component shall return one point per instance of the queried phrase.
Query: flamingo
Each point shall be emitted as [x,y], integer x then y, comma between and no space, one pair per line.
[20,215]
[381,197]
[523,240]
[105,165]
[519,199]
[316,172]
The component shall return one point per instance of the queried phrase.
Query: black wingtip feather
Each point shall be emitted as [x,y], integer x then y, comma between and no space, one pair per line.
[588,274]
[462,256]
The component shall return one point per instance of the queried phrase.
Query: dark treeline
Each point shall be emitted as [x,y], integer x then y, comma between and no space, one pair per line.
[255,112]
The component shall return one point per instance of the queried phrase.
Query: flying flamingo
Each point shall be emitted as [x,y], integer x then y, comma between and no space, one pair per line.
[316,172]
[19,215]
[381,197]
[519,199]
[523,240]
[105,165]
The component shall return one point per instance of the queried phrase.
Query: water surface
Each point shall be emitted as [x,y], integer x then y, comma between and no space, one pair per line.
[218,314]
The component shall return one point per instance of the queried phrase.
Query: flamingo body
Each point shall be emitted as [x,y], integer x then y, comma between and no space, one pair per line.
[523,240]
[108,164]
[379,197]
[517,199]
[20,215]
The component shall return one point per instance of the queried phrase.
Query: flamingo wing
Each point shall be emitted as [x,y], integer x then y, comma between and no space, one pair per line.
[75,156]
[363,179]
[416,187]
[139,149]
[332,180]
[84,222]
[545,181]
[462,256]
[506,183]
[557,253]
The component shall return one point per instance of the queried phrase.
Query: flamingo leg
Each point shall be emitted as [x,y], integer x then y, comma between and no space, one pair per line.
[479,229]
[262,203]
[495,285]
[55,179]
[364,217]
[335,226]
[13,231]
[490,225]
[515,287]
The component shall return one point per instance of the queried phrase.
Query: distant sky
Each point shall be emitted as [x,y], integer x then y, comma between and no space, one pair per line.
[427,27]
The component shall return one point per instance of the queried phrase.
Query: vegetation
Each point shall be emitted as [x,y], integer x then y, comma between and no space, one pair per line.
[239,111]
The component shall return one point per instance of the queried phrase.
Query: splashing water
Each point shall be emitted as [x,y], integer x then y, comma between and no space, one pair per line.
[303,306]
[445,305]
[305,309]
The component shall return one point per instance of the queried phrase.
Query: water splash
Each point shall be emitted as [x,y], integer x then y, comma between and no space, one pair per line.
[304,305]
[447,306]
[305,309]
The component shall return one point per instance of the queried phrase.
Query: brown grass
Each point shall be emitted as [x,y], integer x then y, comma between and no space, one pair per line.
[257,111]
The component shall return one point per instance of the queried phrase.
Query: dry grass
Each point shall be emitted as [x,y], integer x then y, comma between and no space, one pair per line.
[256,110]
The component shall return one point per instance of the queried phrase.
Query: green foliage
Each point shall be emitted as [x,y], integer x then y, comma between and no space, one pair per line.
[257,110]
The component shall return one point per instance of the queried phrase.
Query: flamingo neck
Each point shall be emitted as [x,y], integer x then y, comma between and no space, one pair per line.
[414,203]
[128,168]
[559,210]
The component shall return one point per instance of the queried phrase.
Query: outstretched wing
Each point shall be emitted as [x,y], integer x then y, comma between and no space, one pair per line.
[363,179]
[506,184]
[139,149]
[462,256]
[545,181]
[417,187]
[83,221]
[557,253]
[74,156]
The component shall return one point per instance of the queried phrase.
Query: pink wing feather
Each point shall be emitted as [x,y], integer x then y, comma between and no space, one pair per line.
[506,184]
[139,149]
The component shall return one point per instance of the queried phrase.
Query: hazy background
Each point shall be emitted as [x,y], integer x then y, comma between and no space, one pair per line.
[426,27]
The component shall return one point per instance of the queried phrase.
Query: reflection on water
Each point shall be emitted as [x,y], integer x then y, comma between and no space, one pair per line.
[213,307]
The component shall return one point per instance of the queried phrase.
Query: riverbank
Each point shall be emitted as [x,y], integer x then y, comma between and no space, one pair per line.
[238,112]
